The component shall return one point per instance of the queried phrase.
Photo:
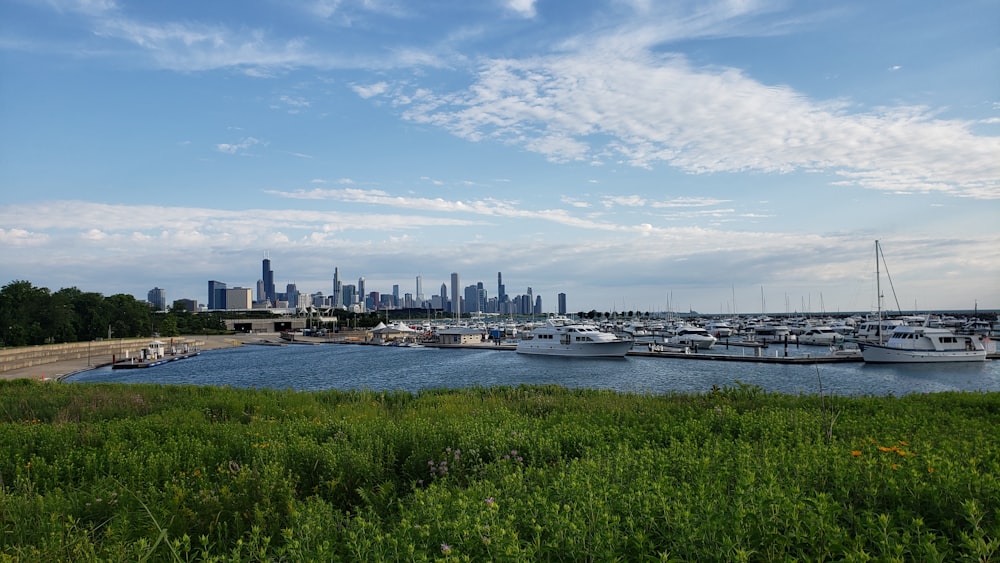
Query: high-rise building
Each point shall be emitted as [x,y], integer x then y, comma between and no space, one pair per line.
[361,291]
[268,279]
[216,295]
[562,303]
[444,298]
[395,295]
[337,298]
[456,297]
[350,295]
[157,298]
[239,298]
[420,289]
[501,290]
[472,299]
[292,295]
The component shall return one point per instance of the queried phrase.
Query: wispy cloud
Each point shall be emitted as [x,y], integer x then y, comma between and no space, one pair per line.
[648,110]
[239,147]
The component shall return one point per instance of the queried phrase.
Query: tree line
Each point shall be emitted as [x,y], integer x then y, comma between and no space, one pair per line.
[32,315]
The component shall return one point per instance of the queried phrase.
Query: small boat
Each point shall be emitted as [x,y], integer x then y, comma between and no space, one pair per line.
[560,336]
[918,344]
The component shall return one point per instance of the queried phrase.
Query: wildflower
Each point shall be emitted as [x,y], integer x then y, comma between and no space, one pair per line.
[884,449]
[445,548]
[856,453]
[930,470]
[894,466]
[490,501]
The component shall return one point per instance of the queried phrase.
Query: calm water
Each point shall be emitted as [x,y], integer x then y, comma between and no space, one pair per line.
[349,367]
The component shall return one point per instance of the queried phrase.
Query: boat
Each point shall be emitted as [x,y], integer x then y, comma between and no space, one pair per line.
[820,336]
[560,336]
[772,333]
[720,329]
[692,336]
[923,344]
[920,344]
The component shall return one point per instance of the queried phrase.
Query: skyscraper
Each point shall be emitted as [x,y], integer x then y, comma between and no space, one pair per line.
[420,289]
[337,298]
[216,295]
[501,291]
[562,303]
[268,278]
[157,298]
[361,291]
[456,297]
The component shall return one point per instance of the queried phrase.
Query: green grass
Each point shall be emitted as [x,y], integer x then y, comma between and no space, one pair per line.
[112,472]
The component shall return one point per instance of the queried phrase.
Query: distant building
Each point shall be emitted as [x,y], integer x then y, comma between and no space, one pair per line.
[216,295]
[456,297]
[157,298]
[562,303]
[189,305]
[239,298]
[268,279]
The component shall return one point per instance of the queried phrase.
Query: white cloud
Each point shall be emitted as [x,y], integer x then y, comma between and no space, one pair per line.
[651,110]
[21,238]
[523,8]
[367,91]
[238,148]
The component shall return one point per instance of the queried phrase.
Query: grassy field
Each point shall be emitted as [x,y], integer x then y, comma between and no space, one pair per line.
[132,473]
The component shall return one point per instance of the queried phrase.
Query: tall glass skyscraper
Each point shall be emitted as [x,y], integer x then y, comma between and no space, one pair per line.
[268,278]
[456,297]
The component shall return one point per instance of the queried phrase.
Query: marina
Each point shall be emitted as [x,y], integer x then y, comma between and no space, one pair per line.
[350,367]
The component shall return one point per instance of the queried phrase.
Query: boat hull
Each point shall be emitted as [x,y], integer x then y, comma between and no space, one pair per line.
[879,354]
[613,349]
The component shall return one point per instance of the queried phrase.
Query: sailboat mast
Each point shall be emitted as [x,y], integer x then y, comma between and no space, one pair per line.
[878,293]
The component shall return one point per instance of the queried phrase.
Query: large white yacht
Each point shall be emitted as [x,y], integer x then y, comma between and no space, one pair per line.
[693,336]
[820,336]
[560,336]
[920,344]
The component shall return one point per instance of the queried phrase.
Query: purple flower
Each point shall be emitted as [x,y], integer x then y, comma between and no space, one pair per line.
[490,501]
[445,548]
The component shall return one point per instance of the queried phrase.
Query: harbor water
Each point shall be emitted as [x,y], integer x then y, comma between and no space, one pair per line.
[379,368]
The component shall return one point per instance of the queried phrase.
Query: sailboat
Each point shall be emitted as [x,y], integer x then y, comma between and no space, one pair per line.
[919,344]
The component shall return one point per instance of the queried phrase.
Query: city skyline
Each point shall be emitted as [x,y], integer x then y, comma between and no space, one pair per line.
[701,154]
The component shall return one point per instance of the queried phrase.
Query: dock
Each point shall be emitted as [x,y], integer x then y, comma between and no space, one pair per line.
[135,363]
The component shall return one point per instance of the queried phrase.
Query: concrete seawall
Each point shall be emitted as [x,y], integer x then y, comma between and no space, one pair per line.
[58,360]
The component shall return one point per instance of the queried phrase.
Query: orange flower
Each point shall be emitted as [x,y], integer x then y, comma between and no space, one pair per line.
[930,470]
[884,449]
[894,466]
[855,453]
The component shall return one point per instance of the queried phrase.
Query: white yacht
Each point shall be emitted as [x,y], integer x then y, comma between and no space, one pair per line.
[560,336]
[720,329]
[872,330]
[921,344]
[820,336]
[693,336]
[772,333]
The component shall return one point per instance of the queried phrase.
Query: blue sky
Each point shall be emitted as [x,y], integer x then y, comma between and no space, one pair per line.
[720,156]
